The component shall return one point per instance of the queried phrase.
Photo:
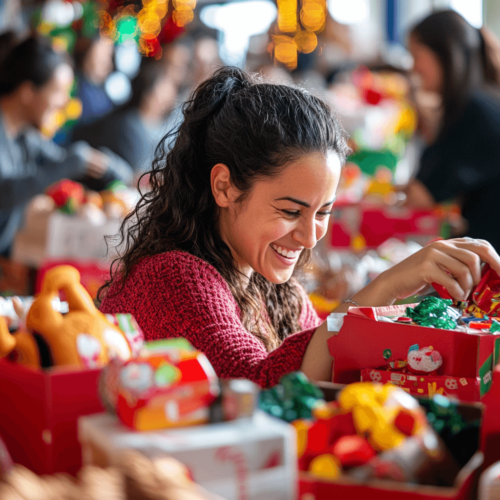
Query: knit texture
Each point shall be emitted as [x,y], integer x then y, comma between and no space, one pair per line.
[175,294]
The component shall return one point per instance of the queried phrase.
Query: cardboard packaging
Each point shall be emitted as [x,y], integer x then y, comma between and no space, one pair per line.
[361,341]
[346,487]
[60,237]
[247,459]
[39,412]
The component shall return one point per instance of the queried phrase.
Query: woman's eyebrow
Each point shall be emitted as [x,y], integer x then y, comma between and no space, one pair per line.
[303,203]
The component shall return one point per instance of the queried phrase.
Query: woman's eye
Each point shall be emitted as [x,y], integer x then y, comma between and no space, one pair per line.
[291,213]
[323,215]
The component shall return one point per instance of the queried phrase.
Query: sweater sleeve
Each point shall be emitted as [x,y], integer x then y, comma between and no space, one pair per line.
[194,301]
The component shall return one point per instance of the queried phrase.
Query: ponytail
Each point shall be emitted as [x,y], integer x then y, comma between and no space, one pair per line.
[33,60]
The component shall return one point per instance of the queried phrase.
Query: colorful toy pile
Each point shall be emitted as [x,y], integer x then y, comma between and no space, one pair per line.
[372,431]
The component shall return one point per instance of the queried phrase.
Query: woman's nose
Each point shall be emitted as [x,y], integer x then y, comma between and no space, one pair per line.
[305,234]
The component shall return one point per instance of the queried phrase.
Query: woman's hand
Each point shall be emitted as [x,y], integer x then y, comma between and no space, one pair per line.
[454,264]
[97,164]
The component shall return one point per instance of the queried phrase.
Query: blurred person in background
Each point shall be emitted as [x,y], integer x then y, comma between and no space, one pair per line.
[134,130]
[458,65]
[94,62]
[206,60]
[177,57]
[34,83]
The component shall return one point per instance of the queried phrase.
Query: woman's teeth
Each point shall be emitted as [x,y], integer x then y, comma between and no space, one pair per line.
[290,254]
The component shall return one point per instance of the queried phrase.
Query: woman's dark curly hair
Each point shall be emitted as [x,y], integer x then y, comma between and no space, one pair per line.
[256,129]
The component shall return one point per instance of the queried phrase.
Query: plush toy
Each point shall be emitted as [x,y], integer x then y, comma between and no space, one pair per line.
[84,337]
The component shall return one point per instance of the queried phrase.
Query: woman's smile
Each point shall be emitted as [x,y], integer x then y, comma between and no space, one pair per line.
[285,255]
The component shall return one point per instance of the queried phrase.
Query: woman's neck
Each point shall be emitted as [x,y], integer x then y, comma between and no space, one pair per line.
[13,117]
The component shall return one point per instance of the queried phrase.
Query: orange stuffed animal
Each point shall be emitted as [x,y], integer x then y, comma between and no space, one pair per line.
[83,337]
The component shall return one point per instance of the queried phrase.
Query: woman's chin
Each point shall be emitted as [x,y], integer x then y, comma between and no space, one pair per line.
[278,277]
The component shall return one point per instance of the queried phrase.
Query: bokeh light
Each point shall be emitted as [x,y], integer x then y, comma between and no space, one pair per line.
[287,16]
[296,31]
[306,41]
[285,50]
[313,15]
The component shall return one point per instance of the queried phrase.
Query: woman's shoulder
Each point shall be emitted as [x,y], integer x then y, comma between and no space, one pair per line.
[178,270]
[175,274]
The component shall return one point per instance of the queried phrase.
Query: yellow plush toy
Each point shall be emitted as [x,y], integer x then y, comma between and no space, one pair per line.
[83,337]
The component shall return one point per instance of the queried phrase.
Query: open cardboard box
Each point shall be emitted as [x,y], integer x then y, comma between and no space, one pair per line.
[345,487]
[39,411]
[361,341]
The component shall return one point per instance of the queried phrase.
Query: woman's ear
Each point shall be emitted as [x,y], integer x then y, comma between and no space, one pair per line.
[222,189]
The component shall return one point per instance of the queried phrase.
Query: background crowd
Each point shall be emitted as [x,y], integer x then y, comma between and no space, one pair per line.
[88,90]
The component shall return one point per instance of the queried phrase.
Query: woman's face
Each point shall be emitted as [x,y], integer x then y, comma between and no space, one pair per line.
[43,102]
[281,216]
[426,64]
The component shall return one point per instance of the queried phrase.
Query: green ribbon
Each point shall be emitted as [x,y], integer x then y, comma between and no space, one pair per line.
[293,398]
[434,312]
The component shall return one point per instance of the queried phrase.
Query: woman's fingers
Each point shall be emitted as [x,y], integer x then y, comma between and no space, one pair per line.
[470,259]
[458,271]
[482,248]
[452,285]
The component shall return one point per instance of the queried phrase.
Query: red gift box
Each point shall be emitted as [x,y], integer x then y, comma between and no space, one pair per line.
[362,339]
[490,431]
[464,389]
[376,224]
[39,414]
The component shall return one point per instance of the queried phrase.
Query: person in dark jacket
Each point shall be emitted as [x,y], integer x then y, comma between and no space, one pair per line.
[34,83]
[461,162]
[134,130]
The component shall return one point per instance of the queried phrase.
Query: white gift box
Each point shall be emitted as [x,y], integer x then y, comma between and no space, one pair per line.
[247,459]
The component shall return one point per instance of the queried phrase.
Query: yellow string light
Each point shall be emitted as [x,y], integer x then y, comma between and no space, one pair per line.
[306,41]
[287,16]
[301,26]
[285,50]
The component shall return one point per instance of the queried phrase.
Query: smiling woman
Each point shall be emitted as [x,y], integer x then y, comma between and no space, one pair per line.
[237,204]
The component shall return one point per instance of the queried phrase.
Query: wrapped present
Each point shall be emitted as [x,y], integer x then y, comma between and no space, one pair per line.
[169,384]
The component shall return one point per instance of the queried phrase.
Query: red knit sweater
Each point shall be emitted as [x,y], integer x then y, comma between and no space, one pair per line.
[175,294]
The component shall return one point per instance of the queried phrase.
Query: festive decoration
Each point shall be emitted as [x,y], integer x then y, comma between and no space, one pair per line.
[434,312]
[293,399]
[423,361]
[296,30]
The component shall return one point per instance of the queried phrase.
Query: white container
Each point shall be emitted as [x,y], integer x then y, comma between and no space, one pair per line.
[251,459]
